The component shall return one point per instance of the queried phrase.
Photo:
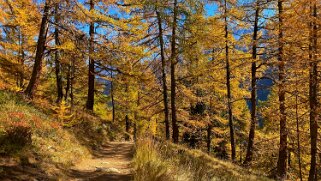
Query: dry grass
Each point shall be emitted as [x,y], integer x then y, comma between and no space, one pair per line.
[176,162]
[148,164]
[54,147]
[51,143]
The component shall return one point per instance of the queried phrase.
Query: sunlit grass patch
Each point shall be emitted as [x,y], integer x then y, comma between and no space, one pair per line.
[148,164]
[176,162]
[50,142]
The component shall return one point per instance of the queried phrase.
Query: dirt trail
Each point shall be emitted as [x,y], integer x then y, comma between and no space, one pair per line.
[110,163]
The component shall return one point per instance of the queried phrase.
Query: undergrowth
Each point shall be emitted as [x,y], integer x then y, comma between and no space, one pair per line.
[166,161]
[148,164]
[27,132]
[49,136]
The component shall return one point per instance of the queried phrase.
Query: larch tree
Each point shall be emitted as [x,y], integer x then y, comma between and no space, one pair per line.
[249,152]
[313,91]
[163,60]
[36,72]
[91,64]
[283,148]
[228,84]
[236,79]
[57,58]
[173,58]
[17,39]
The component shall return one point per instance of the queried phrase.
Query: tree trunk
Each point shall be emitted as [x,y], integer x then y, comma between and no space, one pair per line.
[249,153]
[91,66]
[21,61]
[72,81]
[228,86]
[127,128]
[289,158]
[175,135]
[313,98]
[57,61]
[68,82]
[297,127]
[135,132]
[282,160]
[112,96]
[136,117]
[165,96]
[36,71]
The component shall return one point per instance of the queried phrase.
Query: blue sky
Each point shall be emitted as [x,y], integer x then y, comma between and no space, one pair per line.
[211,9]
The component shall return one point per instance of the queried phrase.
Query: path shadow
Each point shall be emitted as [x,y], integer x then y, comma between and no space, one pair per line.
[27,173]
[99,176]
[114,150]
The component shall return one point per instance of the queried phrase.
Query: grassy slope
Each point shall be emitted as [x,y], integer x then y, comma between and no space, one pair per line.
[166,161]
[53,147]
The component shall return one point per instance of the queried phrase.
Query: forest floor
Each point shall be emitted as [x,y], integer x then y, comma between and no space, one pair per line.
[56,151]
[83,152]
[110,162]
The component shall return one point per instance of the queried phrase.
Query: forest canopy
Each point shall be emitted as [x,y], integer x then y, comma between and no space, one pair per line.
[238,79]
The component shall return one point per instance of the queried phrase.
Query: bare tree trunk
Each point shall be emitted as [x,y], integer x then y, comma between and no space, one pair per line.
[127,122]
[313,97]
[249,153]
[36,71]
[297,127]
[91,67]
[57,61]
[165,96]
[135,132]
[72,78]
[228,86]
[68,81]
[136,118]
[127,128]
[289,158]
[112,96]
[283,149]
[21,61]
[175,135]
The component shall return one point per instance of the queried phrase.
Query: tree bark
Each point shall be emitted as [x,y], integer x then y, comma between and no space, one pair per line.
[72,81]
[21,61]
[249,152]
[175,135]
[297,127]
[57,61]
[313,98]
[228,86]
[283,149]
[112,96]
[165,96]
[127,126]
[36,71]
[91,66]
[136,117]
[68,77]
